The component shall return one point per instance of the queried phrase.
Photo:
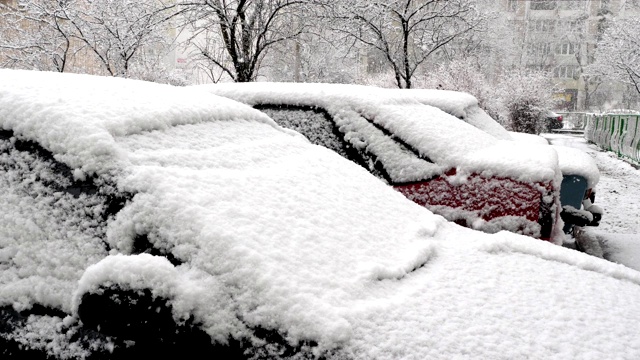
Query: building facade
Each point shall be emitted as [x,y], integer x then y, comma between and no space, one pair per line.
[560,36]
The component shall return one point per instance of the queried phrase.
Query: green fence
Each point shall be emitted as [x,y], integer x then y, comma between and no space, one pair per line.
[617,133]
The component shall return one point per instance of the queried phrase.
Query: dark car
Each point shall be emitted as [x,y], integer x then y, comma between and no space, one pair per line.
[553,121]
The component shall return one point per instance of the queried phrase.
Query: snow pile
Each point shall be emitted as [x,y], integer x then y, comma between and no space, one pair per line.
[270,232]
[258,204]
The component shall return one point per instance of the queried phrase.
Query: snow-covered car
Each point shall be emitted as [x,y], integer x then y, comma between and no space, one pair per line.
[552,121]
[580,173]
[140,220]
[436,159]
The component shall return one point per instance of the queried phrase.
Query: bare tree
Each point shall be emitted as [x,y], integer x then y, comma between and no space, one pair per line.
[618,53]
[312,57]
[112,34]
[35,35]
[118,32]
[406,33]
[235,35]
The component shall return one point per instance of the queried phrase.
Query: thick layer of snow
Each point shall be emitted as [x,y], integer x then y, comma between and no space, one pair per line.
[275,233]
[86,122]
[459,104]
[528,138]
[621,248]
[437,135]
[572,161]
[577,162]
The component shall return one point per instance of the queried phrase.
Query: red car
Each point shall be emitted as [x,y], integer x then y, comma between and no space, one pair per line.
[433,158]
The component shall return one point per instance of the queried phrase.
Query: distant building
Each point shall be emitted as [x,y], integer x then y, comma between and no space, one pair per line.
[560,36]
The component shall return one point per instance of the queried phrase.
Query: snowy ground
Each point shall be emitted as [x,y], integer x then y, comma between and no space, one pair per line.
[618,193]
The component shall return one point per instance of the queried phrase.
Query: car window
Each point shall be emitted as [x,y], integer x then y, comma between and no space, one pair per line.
[315,124]
[45,211]
[357,139]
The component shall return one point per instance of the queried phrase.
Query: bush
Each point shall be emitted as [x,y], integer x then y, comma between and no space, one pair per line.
[517,99]
[525,96]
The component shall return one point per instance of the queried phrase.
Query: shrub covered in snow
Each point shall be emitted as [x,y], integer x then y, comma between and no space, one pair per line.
[516,98]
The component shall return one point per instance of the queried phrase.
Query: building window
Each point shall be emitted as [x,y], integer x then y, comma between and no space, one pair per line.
[542,25]
[542,5]
[567,49]
[572,26]
[512,5]
[566,72]
[572,4]
[539,50]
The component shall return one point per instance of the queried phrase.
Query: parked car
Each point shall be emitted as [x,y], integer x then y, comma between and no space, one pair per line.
[438,160]
[147,221]
[552,120]
[580,173]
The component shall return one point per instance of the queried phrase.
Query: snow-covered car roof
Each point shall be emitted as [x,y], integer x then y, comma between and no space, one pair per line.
[435,134]
[273,233]
[459,104]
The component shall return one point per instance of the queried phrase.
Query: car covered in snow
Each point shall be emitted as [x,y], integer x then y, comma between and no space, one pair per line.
[438,160]
[141,220]
[580,175]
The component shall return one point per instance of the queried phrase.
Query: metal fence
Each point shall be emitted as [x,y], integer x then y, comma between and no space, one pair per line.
[618,133]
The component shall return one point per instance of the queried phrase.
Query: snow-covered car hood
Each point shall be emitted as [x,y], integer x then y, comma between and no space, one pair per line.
[435,134]
[274,233]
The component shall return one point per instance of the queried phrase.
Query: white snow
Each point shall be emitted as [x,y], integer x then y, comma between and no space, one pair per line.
[572,161]
[577,162]
[86,122]
[459,104]
[528,138]
[276,233]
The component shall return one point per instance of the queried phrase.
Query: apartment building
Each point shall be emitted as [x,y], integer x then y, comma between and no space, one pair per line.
[560,36]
